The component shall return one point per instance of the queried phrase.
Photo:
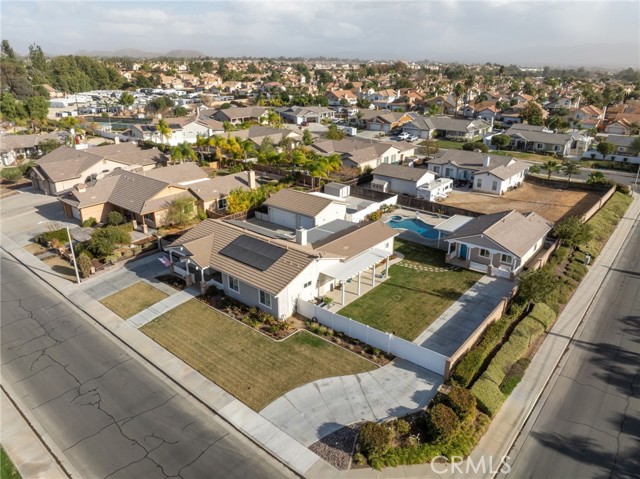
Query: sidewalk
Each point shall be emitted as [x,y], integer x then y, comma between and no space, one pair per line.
[161,307]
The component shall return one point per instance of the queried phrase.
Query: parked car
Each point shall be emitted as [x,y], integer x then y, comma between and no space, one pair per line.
[412,138]
[403,136]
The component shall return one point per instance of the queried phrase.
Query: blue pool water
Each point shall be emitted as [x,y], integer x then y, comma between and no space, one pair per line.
[415,225]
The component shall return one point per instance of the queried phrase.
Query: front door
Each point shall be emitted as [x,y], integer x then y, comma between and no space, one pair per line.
[463,251]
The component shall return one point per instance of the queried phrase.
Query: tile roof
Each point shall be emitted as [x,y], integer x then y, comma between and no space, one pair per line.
[472,160]
[218,187]
[515,232]
[299,202]
[356,239]
[177,174]
[401,172]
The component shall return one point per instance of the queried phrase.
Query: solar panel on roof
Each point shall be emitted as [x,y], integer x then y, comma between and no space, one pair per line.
[253,252]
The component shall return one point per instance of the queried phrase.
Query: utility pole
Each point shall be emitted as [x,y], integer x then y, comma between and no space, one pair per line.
[73,255]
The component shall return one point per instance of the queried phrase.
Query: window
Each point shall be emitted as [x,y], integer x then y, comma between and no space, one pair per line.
[447,172]
[307,284]
[234,284]
[494,186]
[222,203]
[484,253]
[265,299]
[557,148]
[479,183]
[539,146]
[506,258]
[436,169]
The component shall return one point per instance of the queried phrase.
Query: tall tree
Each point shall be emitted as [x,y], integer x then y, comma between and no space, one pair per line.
[532,114]
[570,168]
[551,166]
[183,152]
[605,148]
[164,130]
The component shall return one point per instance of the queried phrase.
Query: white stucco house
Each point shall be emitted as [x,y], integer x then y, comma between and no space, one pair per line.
[405,180]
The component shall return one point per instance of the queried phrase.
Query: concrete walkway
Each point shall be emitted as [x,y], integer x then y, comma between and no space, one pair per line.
[447,333]
[317,409]
[161,307]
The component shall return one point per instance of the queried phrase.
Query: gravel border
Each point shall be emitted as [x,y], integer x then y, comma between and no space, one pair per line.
[337,447]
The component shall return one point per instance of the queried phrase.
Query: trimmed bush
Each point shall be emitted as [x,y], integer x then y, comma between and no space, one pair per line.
[514,376]
[84,265]
[375,439]
[114,218]
[469,366]
[442,422]
[462,401]
[89,222]
[488,395]
[59,235]
[544,314]
[105,240]
[509,353]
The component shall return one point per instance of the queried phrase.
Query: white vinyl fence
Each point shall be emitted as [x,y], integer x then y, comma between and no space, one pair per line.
[387,342]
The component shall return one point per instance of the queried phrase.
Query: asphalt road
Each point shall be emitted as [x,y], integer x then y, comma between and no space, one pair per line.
[621,177]
[109,413]
[587,424]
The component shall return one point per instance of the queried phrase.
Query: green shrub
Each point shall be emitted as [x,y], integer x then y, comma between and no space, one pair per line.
[11,174]
[84,264]
[514,375]
[401,427]
[469,366]
[114,218]
[48,236]
[561,253]
[442,422]
[88,223]
[462,402]
[509,353]
[375,439]
[104,241]
[544,314]
[488,395]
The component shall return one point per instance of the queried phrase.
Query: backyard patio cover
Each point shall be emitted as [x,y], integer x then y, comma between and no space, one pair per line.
[344,271]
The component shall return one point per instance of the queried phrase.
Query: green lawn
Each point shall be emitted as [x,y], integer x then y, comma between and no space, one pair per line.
[7,469]
[457,145]
[130,301]
[410,300]
[450,145]
[252,367]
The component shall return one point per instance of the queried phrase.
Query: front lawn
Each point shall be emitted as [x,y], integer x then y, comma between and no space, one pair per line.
[410,300]
[255,369]
[130,301]
[7,469]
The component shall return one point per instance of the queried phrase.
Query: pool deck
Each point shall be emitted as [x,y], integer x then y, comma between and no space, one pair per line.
[432,219]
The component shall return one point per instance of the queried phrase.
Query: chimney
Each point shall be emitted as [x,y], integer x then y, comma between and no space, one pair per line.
[486,160]
[116,140]
[251,179]
[81,187]
[301,236]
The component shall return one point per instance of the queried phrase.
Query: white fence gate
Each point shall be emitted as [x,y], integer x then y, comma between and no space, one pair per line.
[402,348]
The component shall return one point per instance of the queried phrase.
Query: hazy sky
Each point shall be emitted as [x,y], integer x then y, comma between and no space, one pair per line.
[505,31]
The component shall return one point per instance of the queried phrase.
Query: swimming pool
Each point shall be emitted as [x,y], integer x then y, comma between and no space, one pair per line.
[413,224]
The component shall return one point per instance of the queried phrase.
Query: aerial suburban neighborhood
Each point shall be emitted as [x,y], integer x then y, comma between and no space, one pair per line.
[257,260]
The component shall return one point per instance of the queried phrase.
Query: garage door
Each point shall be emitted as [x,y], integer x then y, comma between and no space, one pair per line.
[75,212]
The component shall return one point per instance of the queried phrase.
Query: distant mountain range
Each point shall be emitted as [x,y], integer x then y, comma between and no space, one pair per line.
[133,53]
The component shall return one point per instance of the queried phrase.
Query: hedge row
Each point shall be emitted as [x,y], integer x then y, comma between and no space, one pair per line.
[487,388]
[48,236]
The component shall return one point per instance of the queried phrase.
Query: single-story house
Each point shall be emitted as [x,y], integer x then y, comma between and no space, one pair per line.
[464,165]
[336,97]
[12,146]
[300,114]
[272,273]
[182,129]
[445,127]
[65,167]
[257,134]
[386,121]
[296,209]
[445,103]
[360,153]
[529,140]
[500,178]
[241,114]
[499,244]
[400,179]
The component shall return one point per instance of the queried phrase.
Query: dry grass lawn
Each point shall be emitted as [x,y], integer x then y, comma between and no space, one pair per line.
[255,369]
[61,266]
[130,301]
[550,203]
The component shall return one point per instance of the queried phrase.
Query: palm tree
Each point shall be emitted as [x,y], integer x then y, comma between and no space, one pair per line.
[570,168]
[273,119]
[551,166]
[183,152]
[202,144]
[248,147]
[219,143]
[596,178]
[164,130]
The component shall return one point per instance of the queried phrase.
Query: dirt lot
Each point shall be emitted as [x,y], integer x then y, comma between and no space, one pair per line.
[549,203]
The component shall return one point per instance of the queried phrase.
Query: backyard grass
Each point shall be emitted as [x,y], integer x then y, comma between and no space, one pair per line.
[255,369]
[7,469]
[457,145]
[410,300]
[130,301]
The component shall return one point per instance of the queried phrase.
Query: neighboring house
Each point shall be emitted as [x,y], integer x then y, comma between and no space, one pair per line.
[400,179]
[529,140]
[257,134]
[310,114]
[590,116]
[296,209]
[446,127]
[135,196]
[500,178]
[436,189]
[499,244]
[619,127]
[359,153]
[14,146]
[182,129]
[65,167]
[464,165]
[564,103]
[273,272]
[522,98]
[446,104]
[241,114]
[336,97]
[386,121]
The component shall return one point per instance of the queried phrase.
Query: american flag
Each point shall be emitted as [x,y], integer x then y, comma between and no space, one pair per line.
[165,261]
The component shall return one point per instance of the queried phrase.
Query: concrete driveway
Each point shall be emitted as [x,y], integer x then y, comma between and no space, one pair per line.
[317,409]
[447,333]
[28,214]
